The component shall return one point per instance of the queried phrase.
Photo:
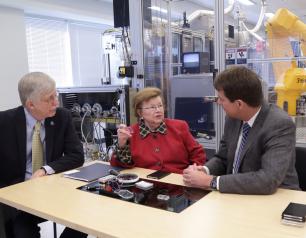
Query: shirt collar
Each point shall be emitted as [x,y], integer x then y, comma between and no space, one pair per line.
[30,120]
[144,130]
[253,118]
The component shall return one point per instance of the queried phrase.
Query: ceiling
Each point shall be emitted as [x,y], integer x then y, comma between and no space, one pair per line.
[298,7]
[98,10]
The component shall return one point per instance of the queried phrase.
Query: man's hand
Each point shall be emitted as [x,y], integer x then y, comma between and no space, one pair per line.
[39,173]
[196,167]
[195,176]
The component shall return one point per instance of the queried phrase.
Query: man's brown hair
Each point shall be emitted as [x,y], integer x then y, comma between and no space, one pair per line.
[240,83]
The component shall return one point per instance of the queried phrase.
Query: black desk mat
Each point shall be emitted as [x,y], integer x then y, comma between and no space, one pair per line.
[177,199]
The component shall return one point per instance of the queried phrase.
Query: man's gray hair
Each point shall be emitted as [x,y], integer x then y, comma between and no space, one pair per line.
[33,85]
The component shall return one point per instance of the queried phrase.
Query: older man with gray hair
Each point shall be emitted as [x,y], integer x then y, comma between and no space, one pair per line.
[37,139]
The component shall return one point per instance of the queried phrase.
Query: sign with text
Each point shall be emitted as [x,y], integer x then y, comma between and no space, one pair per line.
[230,56]
[242,55]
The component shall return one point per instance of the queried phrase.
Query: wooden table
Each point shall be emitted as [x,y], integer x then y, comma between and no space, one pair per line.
[216,215]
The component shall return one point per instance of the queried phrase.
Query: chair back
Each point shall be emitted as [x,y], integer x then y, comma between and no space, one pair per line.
[300,165]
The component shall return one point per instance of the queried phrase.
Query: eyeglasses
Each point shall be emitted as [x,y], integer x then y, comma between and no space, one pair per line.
[153,108]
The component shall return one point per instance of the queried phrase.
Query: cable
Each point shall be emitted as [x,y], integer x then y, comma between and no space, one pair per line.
[199,13]
[127,34]
[259,22]
[99,141]
[260,19]
[114,103]
[97,109]
[82,122]
[125,47]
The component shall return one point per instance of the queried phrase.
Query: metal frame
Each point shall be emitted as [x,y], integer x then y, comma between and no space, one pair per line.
[219,49]
[136,37]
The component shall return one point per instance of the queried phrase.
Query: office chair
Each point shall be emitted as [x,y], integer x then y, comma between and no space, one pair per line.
[54,230]
[300,165]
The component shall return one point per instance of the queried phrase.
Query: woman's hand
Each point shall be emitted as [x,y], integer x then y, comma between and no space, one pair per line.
[124,133]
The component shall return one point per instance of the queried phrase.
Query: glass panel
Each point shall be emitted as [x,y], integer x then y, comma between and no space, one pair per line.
[198,44]
[176,52]
[190,74]
[178,58]
[155,51]
[116,52]
[165,196]
[265,43]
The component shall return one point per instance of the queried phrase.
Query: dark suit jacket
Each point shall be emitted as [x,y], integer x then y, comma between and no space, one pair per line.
[64,150]
[268,158]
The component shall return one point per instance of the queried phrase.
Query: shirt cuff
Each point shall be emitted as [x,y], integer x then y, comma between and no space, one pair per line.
[48,169]
[206,169]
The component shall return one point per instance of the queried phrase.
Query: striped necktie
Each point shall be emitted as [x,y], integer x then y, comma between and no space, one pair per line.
[37,148]
[237,161]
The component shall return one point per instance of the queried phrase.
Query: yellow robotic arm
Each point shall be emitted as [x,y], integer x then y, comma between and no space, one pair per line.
[290,80]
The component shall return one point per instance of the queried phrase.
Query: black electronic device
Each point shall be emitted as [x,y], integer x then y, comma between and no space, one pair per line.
[121,13]
[231,31]
[195,62]
[185,24]
[126,71]
[295,212]
[198,113]
[158,174]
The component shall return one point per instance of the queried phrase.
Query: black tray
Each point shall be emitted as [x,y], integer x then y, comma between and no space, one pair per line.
[176,200]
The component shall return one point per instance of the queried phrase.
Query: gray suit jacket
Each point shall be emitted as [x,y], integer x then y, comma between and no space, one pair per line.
[268,158]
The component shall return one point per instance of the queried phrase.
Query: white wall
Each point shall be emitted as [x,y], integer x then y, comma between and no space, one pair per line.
[13,52]
[13,55]
[87,59]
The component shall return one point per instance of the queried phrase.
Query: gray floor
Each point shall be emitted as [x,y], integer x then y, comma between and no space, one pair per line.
[47,230]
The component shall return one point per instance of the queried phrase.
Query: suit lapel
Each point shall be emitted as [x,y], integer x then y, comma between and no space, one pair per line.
[21,134]
[252,136]
[50,127]
[232,148]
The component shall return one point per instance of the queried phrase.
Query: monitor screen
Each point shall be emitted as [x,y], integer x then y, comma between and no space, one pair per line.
[198,114]
[191,60]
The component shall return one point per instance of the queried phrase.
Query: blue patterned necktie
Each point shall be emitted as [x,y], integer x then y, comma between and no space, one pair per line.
[245,131]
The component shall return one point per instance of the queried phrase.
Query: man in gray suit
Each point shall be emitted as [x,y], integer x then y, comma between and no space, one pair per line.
[257,150]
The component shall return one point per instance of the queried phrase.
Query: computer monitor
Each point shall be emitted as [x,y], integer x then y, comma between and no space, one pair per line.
[195,62]
[191,60]
[197,113]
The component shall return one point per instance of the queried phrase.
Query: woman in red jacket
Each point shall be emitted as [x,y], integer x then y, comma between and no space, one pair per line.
[156,142]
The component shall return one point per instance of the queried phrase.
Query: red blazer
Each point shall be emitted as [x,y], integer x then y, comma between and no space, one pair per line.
[171,152]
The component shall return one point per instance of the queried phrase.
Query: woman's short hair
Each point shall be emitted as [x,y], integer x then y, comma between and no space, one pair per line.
[145,95]
[239,82]
[33,85]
